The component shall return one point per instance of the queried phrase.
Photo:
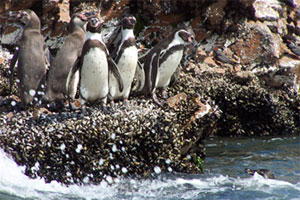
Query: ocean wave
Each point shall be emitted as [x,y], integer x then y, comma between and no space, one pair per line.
[13,182]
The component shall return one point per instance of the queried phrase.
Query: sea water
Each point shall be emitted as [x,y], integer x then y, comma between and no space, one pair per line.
[224,176]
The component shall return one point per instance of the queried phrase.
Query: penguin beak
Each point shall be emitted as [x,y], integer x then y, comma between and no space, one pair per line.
[192,40]
[95,22]
[83,17]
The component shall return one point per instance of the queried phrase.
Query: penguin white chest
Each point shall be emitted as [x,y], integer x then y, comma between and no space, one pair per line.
[167,68]
[127,66]
[94,75]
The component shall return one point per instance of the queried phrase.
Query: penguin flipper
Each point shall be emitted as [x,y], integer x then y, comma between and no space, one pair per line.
[154,73]
[71,74]
[48,57]
[12,67]
[114,39]
[114,69]
[140,76]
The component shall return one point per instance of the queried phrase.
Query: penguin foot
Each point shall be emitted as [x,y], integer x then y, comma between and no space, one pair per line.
[164,94]
[126,104]
[105,109]
[75,105]
[113,105]
[36,113]
[158,102]
[57,106]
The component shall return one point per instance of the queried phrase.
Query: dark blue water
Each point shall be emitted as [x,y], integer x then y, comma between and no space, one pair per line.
[224,176]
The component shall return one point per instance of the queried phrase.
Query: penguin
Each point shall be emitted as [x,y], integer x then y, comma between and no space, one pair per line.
[94,65]
[160,63]
[125,55]
[32,58]
[263,172]
[58,88]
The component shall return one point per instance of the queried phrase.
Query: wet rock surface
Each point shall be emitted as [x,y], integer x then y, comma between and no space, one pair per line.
[259,95]
[88,145]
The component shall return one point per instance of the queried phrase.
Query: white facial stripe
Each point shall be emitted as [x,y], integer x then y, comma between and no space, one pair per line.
[94,36]
[126,33]
[176,40]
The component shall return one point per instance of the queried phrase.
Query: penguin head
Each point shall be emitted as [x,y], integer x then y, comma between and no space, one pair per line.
[94,25]
[187,35]
[27,18]
[128,22]
[77,20]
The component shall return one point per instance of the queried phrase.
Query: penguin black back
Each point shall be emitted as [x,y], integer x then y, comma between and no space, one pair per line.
[125,54]
[57,86]
[31,57]
[163,59]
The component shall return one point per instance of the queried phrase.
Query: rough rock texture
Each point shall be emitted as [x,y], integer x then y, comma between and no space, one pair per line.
[257,96]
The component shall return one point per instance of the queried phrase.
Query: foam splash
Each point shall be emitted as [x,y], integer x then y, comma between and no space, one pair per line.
[14,182]
[178,186]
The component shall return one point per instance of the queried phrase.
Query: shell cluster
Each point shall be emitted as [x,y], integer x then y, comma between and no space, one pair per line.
[88,146]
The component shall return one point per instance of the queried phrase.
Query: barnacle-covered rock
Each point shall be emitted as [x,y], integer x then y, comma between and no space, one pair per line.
[90,145]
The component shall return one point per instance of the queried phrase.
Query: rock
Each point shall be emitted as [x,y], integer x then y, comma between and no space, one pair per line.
[198,27]
[11,34]
[175,100]
[261,45]
[267,10]
[55,19]
[91,143]
[215,13]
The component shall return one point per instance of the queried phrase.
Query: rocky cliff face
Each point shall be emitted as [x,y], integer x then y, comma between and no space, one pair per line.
[256,94]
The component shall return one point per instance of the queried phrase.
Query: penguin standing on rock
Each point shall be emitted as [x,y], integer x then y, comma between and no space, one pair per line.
[94,66]
[160,63]
[58,88]
[125,54]
[31,56]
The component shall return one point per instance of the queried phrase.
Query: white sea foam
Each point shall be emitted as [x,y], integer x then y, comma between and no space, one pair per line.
[14,182]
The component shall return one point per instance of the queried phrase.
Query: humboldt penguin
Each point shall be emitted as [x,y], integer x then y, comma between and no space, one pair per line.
[263,172]
[31,57]
[125,55]
[162,60]
[94,66]
[58,88]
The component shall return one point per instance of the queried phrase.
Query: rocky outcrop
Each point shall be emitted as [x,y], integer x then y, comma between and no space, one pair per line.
[259,95]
